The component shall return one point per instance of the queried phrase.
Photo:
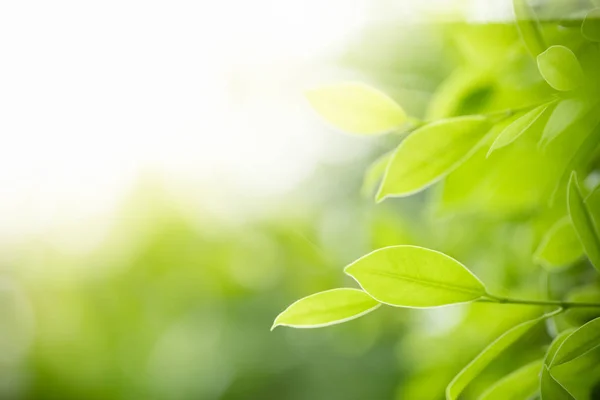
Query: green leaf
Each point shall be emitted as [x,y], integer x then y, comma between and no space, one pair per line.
[430,153]
[520,384]
[357,108]
[592,203]
[326,308]
[583,222]
[529,27]
[580,375]
[517,128]
[578,343]
[374,174]
[478,364]
[412,276]
[560,68]
[590,29]
[563,117]
[586,137]
[560,246]
[550,389]
[555,345]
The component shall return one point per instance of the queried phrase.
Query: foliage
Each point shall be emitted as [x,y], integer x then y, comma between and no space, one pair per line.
[515,143]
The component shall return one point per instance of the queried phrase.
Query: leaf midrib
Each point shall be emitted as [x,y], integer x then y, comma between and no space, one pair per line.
[426,282]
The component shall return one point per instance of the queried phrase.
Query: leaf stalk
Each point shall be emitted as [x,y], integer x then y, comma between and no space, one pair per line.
[558,303]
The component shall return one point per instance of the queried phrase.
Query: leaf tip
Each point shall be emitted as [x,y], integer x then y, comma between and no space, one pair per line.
[277,322]
[493,148]
[381,193]
[348,272]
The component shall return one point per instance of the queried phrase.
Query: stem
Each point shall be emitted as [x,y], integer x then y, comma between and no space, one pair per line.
[557,303]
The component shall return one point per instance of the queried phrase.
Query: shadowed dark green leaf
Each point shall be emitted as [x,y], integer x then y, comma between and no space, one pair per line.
[357,108]
[478,364]
[520,384]
[430,153]
[560,246]
[583,222]
[326,308]
[411,276]
[560,68]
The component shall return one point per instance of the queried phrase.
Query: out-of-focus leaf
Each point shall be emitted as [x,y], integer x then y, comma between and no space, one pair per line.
[550,389]
[488,185]
[520,384]
[411,276]
[560,246]
[592,203]
[563,117]
[474,368]
[430,153]
[517,128]
[529,27]
[578,343]
[560,68]
[583,222]
[326,308]
[374,174]
[585,136]
[464,92]
[590,29]
[357,108]
[585,294]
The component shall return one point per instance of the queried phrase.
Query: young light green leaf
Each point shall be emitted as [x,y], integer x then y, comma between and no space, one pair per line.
[529,27]
[578,343]
[560,246]
[563,117]
[550,389]
[357,108]
[583,222]
[478,364]
[520,384]
[560,68]
[375,173]
[517,128]
[590,29]
[411,276]
[430,153]
[326,308]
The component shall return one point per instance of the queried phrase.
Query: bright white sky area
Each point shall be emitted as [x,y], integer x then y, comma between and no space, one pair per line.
[206,94]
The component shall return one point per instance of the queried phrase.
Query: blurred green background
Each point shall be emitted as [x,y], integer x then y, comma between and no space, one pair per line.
[176,300]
